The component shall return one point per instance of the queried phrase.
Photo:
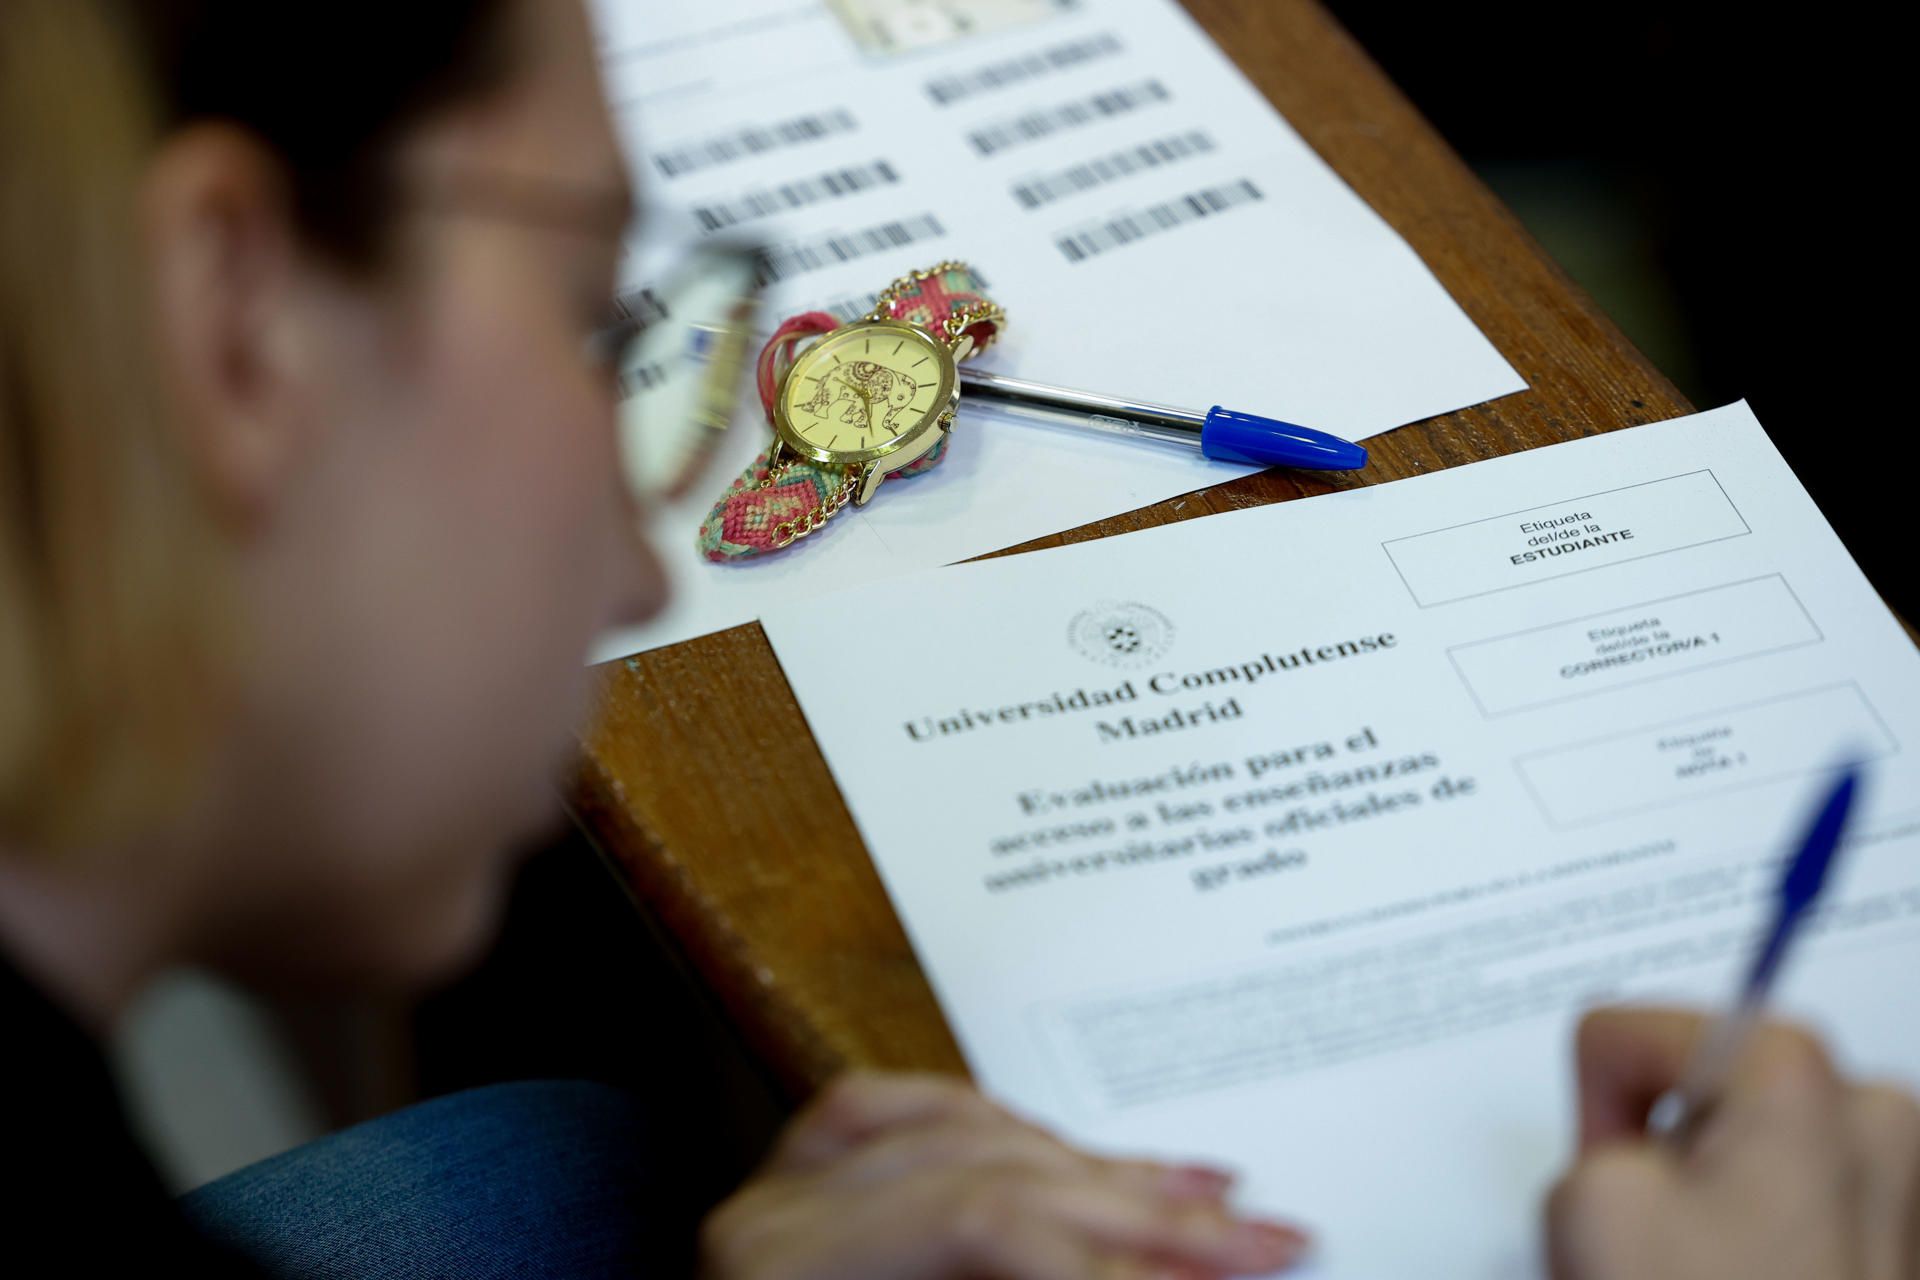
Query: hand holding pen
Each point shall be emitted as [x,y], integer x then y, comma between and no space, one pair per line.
[1798,1173]
[1771,1166]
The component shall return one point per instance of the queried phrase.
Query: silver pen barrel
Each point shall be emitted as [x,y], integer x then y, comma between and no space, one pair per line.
[1087,410]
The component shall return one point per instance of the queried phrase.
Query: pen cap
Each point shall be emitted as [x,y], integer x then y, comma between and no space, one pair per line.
[1268,442]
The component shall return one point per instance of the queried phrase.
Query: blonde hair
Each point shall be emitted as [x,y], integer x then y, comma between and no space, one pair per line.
[109,559]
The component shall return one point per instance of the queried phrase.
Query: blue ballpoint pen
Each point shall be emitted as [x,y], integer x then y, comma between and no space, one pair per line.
[1680,1115]
[1220,433]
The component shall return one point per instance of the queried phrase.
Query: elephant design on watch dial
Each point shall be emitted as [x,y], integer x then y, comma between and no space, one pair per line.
[862,388]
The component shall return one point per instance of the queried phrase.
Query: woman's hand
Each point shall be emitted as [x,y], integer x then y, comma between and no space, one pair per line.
[889,1177]
[1796,1173]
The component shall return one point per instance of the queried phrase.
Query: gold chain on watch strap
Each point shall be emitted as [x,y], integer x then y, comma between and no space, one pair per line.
[958,322]
[788,532]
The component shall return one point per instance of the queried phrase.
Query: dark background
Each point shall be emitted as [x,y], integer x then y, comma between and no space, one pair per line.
[1722,181]
[1723,185]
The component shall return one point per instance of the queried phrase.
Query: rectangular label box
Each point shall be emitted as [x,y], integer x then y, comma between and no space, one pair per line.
[1588,532]
[1633,644]
[1705,755]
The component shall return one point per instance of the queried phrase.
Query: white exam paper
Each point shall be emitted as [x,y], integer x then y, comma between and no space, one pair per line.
[1209,256]
[1329,914]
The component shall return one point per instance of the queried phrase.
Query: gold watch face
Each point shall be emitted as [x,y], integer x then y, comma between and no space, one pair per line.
[864,389]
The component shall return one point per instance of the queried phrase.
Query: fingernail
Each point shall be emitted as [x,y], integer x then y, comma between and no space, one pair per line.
[1268,1244]
[1197,1182]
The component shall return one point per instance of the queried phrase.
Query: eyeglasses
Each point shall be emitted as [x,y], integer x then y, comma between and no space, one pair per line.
[679,356]
[677,352]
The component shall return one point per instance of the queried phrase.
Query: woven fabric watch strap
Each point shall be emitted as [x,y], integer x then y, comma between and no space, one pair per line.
[928,301]
[749,516]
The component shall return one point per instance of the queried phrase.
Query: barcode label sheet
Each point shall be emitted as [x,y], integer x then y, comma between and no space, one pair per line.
[1132,197]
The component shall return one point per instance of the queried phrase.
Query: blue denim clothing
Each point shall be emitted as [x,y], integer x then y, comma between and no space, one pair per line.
[531,1180]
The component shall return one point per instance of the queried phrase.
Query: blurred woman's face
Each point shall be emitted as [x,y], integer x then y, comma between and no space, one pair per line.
[421,591]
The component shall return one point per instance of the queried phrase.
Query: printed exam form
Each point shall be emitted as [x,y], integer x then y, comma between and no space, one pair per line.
[1298,838]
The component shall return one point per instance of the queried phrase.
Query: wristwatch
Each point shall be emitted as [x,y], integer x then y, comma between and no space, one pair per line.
[865,402]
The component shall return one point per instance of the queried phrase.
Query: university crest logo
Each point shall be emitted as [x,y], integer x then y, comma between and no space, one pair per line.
[1126,634]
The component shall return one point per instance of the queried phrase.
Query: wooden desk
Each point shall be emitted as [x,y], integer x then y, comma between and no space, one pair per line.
[699,779]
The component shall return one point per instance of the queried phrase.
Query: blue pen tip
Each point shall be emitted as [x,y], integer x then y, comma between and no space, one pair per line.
[1268,442]
[1801,885]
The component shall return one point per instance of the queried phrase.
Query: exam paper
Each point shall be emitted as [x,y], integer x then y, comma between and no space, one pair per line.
[1154,228]
[1297,838]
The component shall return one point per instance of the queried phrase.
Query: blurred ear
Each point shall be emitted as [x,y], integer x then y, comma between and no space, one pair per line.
[224,254]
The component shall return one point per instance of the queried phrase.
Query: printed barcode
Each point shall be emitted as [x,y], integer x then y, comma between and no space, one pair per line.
[642,306]
[641,378]
[795,195]
[752,141]
[1067,115]
[1138,225]
[1049,187]
[951,89]
[779,263]
[849,309]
